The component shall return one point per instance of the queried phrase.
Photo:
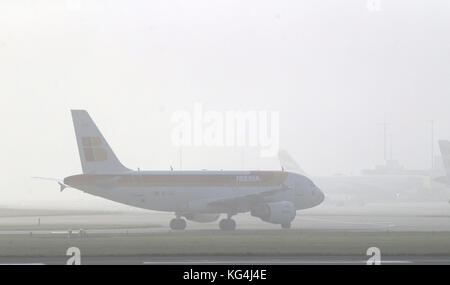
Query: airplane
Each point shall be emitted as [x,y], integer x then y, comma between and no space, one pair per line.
[199,196]
[359,190]
[444,147]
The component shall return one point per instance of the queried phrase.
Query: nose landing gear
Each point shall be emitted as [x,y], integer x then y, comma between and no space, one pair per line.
[227,224]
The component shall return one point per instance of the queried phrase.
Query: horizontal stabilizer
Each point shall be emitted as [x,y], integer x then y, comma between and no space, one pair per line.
[60,182]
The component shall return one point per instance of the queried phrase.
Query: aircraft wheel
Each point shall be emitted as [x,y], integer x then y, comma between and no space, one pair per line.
[227,225]
[286,226]
[177,224]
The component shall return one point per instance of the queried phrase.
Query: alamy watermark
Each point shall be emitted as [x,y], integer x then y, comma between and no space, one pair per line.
[75,256]
[375,256]
[253,128]
[373,5]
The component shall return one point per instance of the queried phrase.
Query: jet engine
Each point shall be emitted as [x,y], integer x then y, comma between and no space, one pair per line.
[276,213]
[202,218]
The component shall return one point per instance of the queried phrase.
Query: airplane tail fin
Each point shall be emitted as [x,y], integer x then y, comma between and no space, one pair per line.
[288,163]
[95,153]
[445,153]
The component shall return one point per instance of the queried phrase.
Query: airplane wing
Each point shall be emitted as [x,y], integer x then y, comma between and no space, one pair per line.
[245,201]
[60,182]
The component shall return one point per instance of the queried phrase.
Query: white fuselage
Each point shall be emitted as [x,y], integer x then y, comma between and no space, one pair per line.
[199,191]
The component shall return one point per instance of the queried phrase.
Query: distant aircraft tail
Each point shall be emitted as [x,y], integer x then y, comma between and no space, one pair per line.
[95,153]
[445,153]
[288,163]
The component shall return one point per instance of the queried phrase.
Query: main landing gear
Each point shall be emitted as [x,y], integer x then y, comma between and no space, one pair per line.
[227,224]
[178,224]
[286,226]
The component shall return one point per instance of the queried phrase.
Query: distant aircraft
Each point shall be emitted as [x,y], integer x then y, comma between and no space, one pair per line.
[200,196]
[359,190]
[444,146]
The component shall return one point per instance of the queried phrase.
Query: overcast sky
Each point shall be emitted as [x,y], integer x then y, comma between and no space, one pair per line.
[334,70]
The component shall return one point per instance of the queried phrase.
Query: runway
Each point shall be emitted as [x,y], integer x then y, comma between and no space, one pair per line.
[377,217]
[109,224]
[407,235]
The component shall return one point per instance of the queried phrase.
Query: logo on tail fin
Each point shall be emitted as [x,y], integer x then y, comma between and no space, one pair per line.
[93,150]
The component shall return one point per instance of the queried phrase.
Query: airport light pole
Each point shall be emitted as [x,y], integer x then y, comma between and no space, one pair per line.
[390,147]
[385,125]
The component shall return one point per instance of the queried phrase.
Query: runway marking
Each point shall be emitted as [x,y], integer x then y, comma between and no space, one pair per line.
[22,264]
[379,224]
[203,262]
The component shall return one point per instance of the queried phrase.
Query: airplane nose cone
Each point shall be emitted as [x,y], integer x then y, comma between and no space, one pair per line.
[320,196]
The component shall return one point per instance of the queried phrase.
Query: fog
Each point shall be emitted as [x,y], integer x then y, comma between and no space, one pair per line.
[334,70]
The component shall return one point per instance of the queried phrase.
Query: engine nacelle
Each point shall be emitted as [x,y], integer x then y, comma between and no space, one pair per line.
[202,218]
[277,212]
